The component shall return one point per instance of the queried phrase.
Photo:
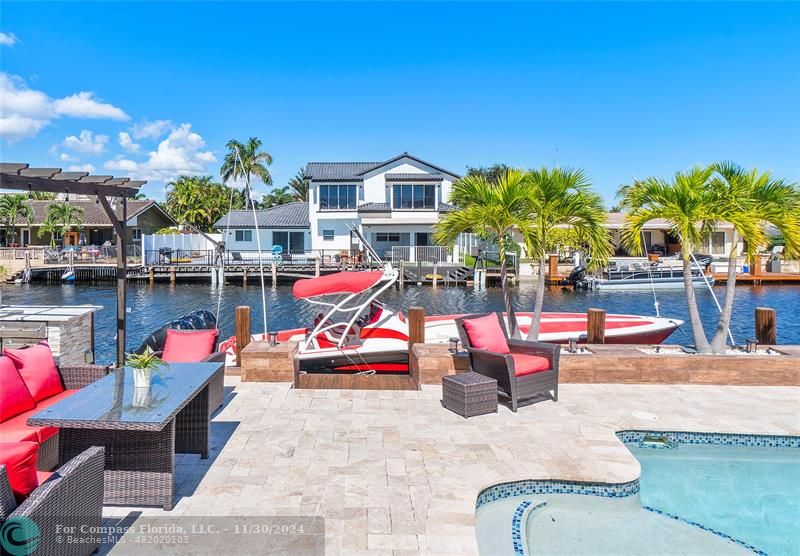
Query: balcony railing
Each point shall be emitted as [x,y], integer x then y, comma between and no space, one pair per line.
[420,253]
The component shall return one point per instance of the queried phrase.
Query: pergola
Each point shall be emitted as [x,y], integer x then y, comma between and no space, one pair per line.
[22,177]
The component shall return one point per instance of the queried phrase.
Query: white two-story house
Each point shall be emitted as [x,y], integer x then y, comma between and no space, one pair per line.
[393,203]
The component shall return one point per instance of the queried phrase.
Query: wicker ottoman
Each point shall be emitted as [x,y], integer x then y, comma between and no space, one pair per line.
[469,394]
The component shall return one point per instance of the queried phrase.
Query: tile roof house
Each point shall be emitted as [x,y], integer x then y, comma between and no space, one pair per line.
[144,217]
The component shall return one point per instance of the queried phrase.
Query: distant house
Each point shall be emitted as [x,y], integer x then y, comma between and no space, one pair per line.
[396,202]
[285,225]
[144,217]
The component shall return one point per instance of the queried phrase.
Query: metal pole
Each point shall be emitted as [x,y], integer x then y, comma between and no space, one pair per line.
[122,270]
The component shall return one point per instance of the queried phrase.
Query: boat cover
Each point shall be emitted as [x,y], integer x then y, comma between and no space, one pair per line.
[339,283]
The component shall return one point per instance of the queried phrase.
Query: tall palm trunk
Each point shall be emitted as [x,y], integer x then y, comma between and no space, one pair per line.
[536,319]
[700,340]
[720,336]
[513,327]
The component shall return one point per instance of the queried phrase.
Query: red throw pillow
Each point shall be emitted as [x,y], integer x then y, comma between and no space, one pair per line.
[14,395]
[486,333]
[38,369]
[20,461]
[189,346]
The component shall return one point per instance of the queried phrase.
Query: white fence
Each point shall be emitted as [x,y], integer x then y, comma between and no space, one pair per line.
[182,242]
[425,254]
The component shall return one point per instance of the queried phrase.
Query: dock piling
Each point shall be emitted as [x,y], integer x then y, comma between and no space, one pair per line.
[274,274]
[242,319]
[766,326]
[433,277]
[596,326]
[416,326]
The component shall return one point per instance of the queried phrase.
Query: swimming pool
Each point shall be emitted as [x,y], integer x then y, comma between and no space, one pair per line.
[699,493]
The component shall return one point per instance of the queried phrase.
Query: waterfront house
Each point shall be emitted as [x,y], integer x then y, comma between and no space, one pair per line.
[144,217]
[285,225]
[394,203]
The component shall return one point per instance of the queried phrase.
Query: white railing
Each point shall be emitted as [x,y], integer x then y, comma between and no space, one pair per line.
[419,253]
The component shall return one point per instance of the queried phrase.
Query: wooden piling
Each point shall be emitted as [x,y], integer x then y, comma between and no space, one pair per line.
[416,326]
[402,275]
[242,319]
[152,275]
[172,275]
[316,267]
[433,276]
[596,326]
[244,276]
[274,274]
[766,326]
[552,270]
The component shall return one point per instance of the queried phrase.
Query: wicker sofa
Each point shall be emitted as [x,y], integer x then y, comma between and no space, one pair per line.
[72,496]
[14,428]
[526,372]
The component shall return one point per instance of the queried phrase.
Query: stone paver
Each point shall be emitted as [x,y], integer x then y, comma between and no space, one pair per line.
[392,472]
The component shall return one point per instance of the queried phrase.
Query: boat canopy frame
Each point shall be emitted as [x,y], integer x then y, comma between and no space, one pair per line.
[390,276]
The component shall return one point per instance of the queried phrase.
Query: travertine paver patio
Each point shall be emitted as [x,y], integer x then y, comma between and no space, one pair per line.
[393,472]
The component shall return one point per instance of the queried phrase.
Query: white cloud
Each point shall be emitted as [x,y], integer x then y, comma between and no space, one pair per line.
[84,105]
[121,163]
[151,130]
[65,157]
[127,143]
[25,111]
[87,142]
[81,168]
[179,153]
[8,39]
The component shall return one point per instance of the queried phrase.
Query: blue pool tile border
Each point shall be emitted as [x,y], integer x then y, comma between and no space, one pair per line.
[749,547]
[549,486]
[516,525]
[715,438]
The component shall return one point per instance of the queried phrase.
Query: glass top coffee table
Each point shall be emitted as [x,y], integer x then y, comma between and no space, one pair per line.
[141,429]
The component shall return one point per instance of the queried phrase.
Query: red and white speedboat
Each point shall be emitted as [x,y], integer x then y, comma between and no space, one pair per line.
[354,332]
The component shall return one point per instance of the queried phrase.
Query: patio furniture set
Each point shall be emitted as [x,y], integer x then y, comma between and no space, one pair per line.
[521,371]
[75,438]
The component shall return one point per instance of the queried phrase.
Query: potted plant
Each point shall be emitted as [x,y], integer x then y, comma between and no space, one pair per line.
[143,366]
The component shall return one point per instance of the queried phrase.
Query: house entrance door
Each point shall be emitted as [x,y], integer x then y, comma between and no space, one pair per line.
[422,239]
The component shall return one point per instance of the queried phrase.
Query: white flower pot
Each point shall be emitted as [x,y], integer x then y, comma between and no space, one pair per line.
[141,396]
[141,378]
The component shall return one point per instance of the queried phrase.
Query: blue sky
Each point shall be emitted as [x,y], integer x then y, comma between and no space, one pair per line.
[619,89]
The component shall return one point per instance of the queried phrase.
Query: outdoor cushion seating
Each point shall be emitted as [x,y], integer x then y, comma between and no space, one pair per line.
[19,459]
[18,376]
[72,496]
[526,372]
[185,346]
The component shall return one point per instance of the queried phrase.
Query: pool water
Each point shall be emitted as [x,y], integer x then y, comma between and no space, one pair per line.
[750,493]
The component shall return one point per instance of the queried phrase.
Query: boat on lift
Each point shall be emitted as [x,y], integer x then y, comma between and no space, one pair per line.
[666,274]
[355,332]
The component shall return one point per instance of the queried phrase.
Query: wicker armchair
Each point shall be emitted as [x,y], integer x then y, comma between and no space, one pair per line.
[72,496]
[527,389]
[74,378]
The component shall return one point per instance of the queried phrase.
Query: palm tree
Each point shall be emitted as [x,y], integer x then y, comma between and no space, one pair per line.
[688,203]
[298,184]
[13,207]
[61,217]
[245,160]
[278,196]
[562,197]
[489,207]
[748,199]
[200,201]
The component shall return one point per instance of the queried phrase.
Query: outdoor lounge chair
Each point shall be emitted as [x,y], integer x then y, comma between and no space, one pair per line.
[72,496]
[526,372]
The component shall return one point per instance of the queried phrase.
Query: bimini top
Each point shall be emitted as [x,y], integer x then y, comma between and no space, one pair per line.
[339,283]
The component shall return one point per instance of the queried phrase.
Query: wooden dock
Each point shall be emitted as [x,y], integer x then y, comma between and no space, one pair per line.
[776,278]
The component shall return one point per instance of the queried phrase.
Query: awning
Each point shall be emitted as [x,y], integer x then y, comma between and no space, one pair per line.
[339,283]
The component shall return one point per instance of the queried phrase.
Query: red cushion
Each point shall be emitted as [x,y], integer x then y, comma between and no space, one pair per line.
[486,333]
[38,369]
[189,346]
[529,364]
[20,461]
[14,395]
[16,429]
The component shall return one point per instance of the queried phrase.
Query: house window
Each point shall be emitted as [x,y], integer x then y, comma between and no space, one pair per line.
[136,234]
[327,235]
[387,237]
[718,243]
[414,197]
[293,242]
[337,196]
[243,235]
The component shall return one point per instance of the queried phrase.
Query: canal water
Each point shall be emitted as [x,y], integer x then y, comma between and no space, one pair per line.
[151,306]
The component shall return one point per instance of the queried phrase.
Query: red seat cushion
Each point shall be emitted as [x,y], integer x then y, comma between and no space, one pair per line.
[20,461]
[14,395]
[529,364]
[486,333]
[16,429]
[38,369]
[189,346]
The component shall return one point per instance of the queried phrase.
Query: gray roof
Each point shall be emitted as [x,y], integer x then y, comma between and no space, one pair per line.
[374,207]
[446,207]
[411,176]
[354,171]
[93,213]
[290,215]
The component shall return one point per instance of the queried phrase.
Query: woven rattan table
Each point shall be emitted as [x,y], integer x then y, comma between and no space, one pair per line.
[141,429]
[469,394]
